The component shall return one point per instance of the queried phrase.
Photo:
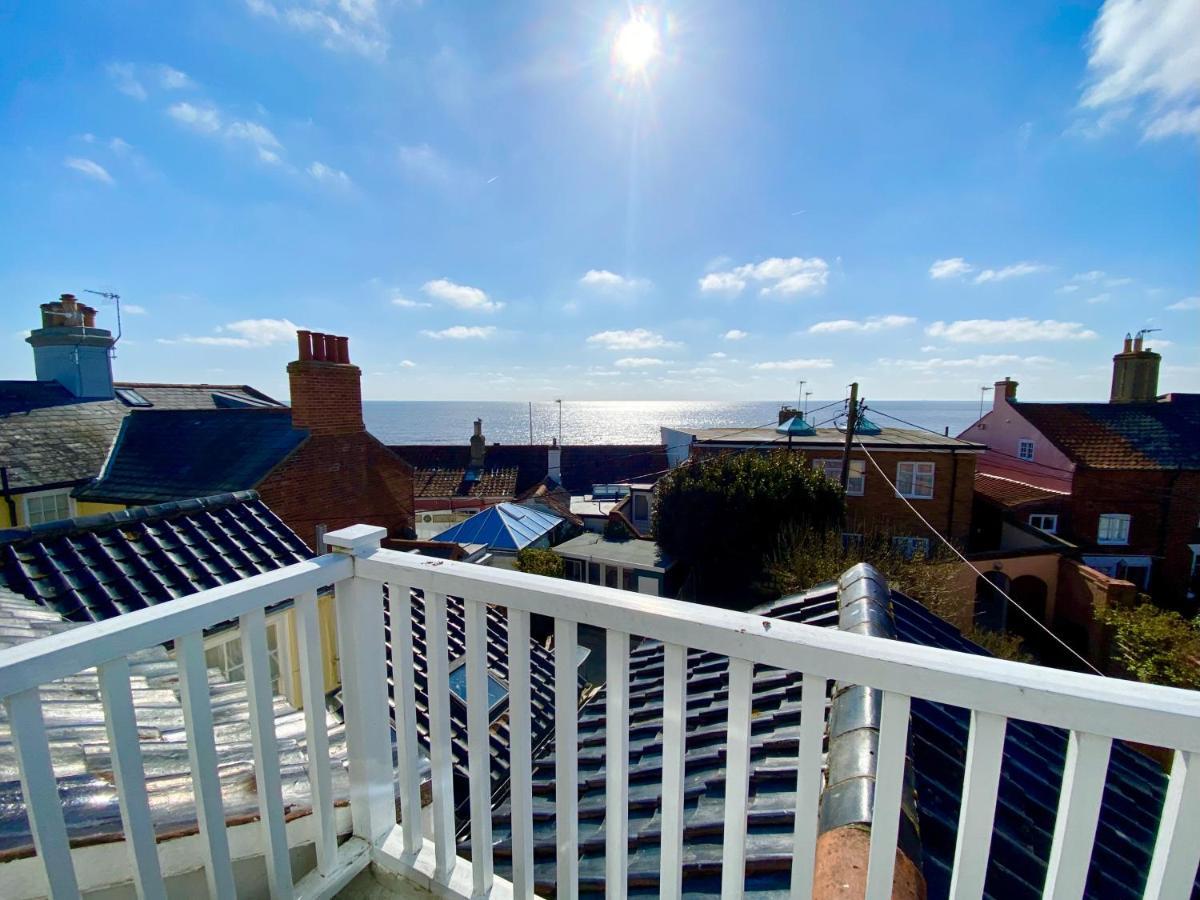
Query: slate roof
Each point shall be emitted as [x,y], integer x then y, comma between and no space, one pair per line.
[163,455]
[83,763]
[505,526]
[1028,794]
[1160,435]
[1010,493]
[582,465]
[95,567]
[48,438]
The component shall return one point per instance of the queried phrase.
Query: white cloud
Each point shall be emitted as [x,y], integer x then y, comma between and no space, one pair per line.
[871,323]
[89,168]
[718,355]
[133,309]
[950,268]
[205,119]
[1016,270]
[173,80]
[1067,289]
[125,80]
[353,26]
[120,147]
[735,334]
[635,339]
[247,333]
[460,295]
[407,364]
[423,162]
[985,361]
[1099,298]
[462,333]
[792,365]
[253,133]
[778,276]
[639,362]
[611,282]
[973,331]
[328,174]
[405,303]
[1146,56]
[1187,303]
[1093,278]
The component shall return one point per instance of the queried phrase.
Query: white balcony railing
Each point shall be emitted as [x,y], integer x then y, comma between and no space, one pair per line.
[1095,711]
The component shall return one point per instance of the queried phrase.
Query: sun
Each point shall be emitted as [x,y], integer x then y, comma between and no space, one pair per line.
[636,46]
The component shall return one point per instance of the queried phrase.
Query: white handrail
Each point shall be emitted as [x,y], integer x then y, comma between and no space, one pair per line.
[1111,707]
[34,663]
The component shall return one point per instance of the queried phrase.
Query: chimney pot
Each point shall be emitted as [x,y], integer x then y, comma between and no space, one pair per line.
[89,317]
[304,339]
[343,350]
[327,400]
[1137,344]
[1128,344]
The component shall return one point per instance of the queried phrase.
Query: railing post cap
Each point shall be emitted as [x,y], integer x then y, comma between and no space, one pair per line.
[355,538]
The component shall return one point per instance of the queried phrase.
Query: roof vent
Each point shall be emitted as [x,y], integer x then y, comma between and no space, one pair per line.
[795,427]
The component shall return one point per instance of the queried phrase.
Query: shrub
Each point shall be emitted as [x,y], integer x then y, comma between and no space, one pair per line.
[1155,645]
[540,562]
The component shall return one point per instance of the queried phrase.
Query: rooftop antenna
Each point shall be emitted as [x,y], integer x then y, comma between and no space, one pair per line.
[800,393]
[1145,331]
[983,389]
[116,299]
[807,394]
[559,402]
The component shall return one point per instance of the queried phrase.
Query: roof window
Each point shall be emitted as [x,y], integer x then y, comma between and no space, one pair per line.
[130,397]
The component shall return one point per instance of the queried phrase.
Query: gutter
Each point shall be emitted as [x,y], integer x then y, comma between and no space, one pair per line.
[852,733]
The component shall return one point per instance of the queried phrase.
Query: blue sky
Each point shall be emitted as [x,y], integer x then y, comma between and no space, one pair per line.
[524,201]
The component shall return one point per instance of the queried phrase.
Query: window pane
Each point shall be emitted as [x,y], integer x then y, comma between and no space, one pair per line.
[904,478]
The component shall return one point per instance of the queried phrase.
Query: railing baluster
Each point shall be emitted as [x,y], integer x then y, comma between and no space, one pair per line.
[566,757]
[670,877]
[479,757]
[737,777]
[266,752]
[440,760]
[616,766]
[1177,848]
[1084,773]
[405,701]
[889,785]
[809,782]
[116,694]
[981,778]
[39,788]
[520,753]
[202,758]
[312,691]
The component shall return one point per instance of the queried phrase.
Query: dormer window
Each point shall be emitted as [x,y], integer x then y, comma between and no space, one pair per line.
[1025,449]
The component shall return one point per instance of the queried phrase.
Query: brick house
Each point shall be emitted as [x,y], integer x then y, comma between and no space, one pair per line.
[315,465]
[1118,480]
[933,472]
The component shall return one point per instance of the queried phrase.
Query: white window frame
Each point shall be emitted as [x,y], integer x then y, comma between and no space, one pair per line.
[914,469]
[831,468]
[1022,444]
[281,686]
[42,496]
[1049,522]
[1123,519]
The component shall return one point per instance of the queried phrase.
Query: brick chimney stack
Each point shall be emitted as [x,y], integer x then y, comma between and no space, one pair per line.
[478,446]
[1003,393]
[326,388]
[1135,373]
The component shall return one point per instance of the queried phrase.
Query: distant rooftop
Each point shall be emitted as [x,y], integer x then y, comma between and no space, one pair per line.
[831,438]
[633,553]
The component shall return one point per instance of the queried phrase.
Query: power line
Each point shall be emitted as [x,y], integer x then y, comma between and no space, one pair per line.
[972,566]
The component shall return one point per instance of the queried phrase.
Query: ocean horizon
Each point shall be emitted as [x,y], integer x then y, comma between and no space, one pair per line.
[626,421]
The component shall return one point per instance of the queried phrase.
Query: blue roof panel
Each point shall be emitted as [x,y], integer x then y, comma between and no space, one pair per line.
[505,526]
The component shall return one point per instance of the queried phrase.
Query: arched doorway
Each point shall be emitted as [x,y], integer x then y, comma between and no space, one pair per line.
[991,609]
[1030,593]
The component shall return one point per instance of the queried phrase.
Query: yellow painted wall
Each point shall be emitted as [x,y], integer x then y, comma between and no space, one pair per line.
[327,620]
[81,509]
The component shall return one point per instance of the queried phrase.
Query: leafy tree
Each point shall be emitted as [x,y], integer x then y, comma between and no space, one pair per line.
[540,562]
[1155,645]
[722,516]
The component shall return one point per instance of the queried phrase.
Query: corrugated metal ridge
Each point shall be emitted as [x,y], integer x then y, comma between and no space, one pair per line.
[864,607]
[101,521]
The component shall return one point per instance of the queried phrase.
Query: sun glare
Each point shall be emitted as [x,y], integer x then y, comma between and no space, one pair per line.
[637,45]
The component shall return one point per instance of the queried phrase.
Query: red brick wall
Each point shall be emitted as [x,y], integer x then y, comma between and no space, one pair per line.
[1165,508]
[879,509]
[326,396]
[338,480]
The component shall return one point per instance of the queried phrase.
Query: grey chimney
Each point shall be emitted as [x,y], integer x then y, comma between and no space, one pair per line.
[71,350]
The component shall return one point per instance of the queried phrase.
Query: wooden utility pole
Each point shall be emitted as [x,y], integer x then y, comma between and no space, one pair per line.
[851,421]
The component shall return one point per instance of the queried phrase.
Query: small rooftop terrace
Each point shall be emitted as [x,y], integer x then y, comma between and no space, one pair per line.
[403,825]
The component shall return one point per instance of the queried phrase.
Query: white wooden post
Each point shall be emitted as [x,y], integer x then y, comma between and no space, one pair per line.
[441,758]
[1084,772]
[520,761]
[889,787]
[616,766]
[566,757]
[479,739]
[312,688]
[405,702]
[674,710]
[364,688]
[981,779]
[737,777]
[1177,848]
[809,782]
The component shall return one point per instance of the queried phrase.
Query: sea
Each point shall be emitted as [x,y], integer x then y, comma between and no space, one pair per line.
[627,421]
